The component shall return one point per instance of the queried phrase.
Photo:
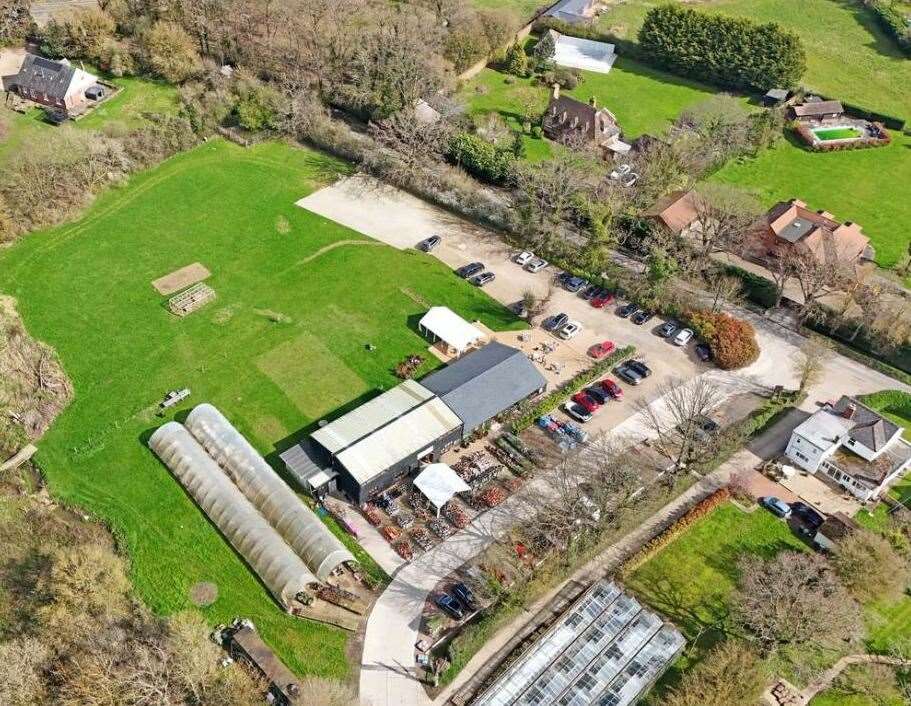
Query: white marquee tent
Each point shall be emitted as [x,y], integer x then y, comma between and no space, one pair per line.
[444,324]
[583,53]
[439,483]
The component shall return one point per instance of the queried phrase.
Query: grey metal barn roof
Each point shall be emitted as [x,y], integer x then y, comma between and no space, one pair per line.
[485,383]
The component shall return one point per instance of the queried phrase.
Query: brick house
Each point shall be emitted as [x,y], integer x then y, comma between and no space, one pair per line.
[56,84]
[570,120]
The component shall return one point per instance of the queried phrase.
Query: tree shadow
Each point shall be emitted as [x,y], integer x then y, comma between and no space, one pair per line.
[881,42]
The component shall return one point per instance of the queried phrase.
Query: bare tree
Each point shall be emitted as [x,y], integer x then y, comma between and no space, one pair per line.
[724,217]
[731,674]
[810,360]
[870,567]
[819,271]
[725,289]
[679,422]
[792,599]
[535,304]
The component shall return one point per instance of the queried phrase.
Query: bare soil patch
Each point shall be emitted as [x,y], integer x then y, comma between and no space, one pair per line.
[181,279]
[203,593]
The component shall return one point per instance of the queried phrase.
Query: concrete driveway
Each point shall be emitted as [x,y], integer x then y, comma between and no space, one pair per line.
[402,220]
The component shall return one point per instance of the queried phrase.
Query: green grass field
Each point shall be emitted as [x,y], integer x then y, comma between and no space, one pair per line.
[848,56]
[523,9]
[282,346]
[869,186]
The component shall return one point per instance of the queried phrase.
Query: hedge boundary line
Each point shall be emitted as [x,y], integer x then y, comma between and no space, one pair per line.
[552,400]
[893,23]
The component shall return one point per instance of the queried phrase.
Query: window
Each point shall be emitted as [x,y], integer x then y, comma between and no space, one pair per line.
[801,456]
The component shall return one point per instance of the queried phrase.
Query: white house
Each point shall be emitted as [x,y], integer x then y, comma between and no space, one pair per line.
[853,445]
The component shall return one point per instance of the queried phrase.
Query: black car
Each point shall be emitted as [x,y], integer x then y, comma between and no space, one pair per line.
[626,373]
[590,291]
[482,279]
[640,368]
[641,317]
[667,329]
[449,605]
[428,244]
[627,310]
[597,394]
[470,270]
[554,322]
[465,596]
[809,516]
[703,352]
[574,284]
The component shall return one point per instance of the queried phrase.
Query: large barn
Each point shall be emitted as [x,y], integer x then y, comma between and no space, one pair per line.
[368,449]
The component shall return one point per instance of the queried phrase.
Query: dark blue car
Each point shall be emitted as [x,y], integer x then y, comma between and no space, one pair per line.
[449,605]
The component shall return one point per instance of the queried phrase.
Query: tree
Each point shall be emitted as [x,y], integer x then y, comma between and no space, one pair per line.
[81,34]
[818,272]
[724,217]
[15,20]
[168,52]
[870,567]
[725,289]
[732,674]
[516,61]
[535,304]
[258,105]
[810,361]
[793,599]
[676,421]
[732,340]
[545,50]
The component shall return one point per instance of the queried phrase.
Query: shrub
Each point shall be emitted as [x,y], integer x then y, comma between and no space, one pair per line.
[516,61]
[169,52]
[481,158]
[733,341]
[893,21]
[82,34]
[258,106]
[729,51]
[566,78]
[757,288]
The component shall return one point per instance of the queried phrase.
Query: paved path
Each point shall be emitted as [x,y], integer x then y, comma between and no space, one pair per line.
[402,220]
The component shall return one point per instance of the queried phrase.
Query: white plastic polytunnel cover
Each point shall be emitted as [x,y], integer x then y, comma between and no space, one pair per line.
[298,524]
[276,564]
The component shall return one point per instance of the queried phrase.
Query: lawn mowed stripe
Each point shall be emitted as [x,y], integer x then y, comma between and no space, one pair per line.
[86,290]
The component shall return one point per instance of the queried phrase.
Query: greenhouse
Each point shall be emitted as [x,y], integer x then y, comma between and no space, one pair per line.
[294,521]
[276,564]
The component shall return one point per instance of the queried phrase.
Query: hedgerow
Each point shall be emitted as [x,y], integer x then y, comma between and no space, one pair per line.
[481,158]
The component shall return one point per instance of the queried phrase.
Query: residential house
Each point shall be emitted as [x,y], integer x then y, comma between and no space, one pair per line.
[571,121]
[676,212]
[790,226]
[853,446]
[573,11]
[56,84]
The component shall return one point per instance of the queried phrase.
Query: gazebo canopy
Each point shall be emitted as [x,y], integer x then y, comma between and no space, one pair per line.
[439,483]
[445,324]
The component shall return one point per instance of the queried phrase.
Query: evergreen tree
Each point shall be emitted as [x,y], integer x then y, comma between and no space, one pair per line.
[516,62]
[545,49]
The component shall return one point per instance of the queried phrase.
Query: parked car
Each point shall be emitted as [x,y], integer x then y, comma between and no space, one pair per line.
[597,394]
[523,258]
[776,506]
[574,284]
[667,329]
[683,337]
[589,292]
[602,299]
[642,317]
[465,596]
[587,401]
[555,322]
[612,388]
[809,516]
[569,330]
[536,265]
[703,352]
[625,372]
[577,412]
[563,277]
[428,244]
[482,279]
[470,270]
[449,605]
[640,367]
[599,350]
[627,310]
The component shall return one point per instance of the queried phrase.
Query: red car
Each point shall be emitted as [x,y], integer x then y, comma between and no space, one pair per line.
[602,299]
[599,350]
[612,388]
[585,401]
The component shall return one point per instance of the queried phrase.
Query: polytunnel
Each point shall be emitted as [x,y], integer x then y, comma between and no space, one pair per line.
[295,522]
[279,568]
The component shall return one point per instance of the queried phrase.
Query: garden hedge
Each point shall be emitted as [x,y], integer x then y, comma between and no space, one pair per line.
[481,158]
[893,21]
[728,51]
[551,401]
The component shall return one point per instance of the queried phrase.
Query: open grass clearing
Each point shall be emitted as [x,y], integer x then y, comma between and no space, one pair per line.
[84,289]
[849,56]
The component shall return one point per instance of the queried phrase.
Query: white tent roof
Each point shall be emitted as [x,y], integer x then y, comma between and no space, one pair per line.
[438,482]
[583,53]
[444,323]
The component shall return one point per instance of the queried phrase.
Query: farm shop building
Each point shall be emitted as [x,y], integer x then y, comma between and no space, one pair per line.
[385,439]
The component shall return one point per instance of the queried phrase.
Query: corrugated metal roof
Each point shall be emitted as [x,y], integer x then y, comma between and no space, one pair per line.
[485,383]
[384,447]
[370,416]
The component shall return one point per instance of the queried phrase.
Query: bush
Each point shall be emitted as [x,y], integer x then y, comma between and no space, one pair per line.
[258,105]
[169,52]
[732,340]
[516,61]
[893,21]
[481,158]
[757,288]
[566,78]
[83,34]
[548,403]
[734,52]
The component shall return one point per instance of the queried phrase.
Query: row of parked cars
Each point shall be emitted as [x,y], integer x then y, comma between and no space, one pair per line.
[457,603]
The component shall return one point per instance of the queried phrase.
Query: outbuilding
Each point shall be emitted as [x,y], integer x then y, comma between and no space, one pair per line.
[439,484]
[449,331]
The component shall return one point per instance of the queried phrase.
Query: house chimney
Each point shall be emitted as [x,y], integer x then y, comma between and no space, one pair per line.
[556,91]
[849,411]
[593,102]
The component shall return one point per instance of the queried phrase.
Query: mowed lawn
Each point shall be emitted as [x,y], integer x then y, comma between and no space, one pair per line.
[283,346]
[849,57]
[869,187]
[644,99]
